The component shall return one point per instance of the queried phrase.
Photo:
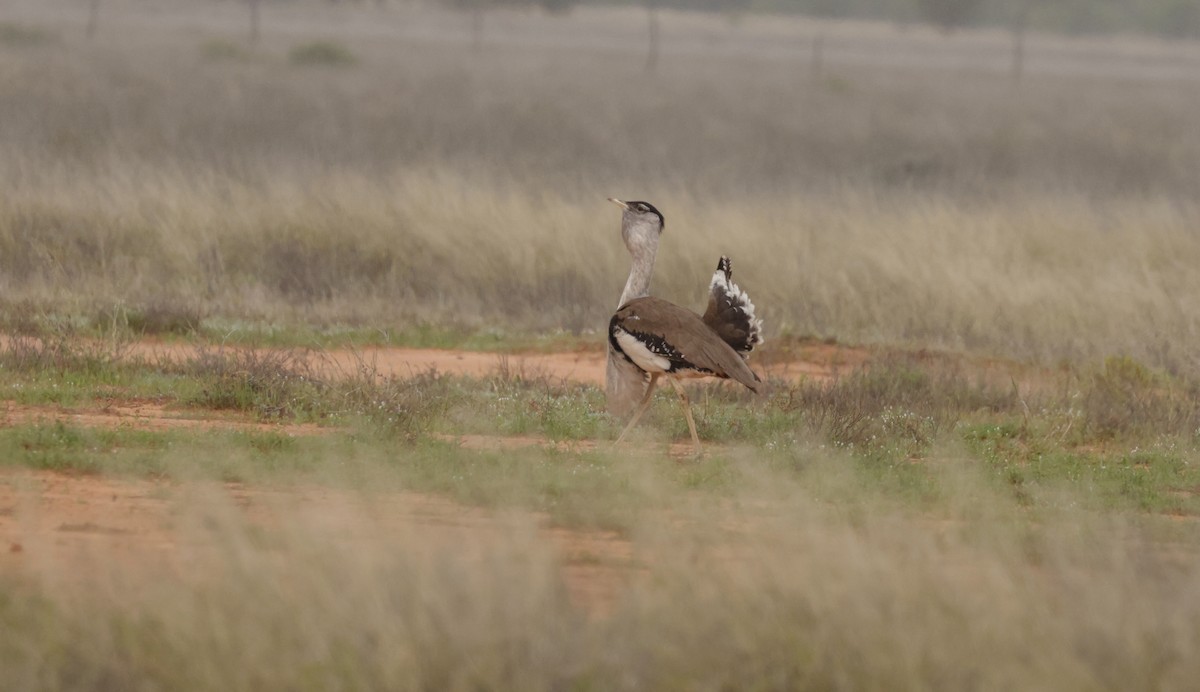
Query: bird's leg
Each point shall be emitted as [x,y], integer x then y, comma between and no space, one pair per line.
[687,411]
[640,409]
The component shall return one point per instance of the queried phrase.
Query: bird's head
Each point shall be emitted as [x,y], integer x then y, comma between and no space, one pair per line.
[641,224]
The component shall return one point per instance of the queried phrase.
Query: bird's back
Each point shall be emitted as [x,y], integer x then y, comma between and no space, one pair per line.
[679,339]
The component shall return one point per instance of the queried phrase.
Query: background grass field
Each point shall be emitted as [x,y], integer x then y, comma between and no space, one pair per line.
[365,174]
[910,194]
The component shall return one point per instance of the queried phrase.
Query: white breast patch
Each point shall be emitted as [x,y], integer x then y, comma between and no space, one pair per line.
[642,356]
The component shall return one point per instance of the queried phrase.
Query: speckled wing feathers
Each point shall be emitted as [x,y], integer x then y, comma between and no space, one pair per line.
[675,339]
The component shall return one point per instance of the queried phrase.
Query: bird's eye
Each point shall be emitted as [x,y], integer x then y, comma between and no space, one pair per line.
[642,208]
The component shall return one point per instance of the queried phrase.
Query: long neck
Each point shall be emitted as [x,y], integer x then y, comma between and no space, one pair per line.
[638,284]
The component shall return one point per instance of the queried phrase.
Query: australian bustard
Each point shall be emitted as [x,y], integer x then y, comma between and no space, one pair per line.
[652,337]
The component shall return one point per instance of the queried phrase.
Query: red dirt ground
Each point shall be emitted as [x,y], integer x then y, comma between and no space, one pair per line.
[62,527]
[57,524]
[815,361]
[64,520]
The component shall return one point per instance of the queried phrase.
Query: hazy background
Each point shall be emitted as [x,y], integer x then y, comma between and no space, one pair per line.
[925,173]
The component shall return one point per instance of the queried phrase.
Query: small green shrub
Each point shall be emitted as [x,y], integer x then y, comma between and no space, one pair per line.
[271,384]
[897,401]
[1125,399]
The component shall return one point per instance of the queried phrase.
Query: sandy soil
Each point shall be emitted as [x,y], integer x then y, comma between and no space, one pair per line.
[812,362]
[60,528]
[817,361]
[53,524]
[144,416]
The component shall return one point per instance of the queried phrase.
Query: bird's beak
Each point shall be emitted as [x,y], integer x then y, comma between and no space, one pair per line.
[618,202]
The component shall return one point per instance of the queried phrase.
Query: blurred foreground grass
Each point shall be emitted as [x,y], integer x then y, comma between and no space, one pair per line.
[910,526]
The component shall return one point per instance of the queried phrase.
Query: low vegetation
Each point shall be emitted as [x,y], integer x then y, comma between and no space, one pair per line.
[1127,433]
[847,534]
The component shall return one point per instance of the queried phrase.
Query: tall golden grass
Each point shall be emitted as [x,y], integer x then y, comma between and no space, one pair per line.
[930,202]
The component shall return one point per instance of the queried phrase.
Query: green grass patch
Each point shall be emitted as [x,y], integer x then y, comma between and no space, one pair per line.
[575,489]
[59,446]
[1040,468]
[185,453]
[175,320]
[1117,436]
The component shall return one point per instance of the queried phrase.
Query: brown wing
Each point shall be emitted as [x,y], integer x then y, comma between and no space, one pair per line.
[682,337]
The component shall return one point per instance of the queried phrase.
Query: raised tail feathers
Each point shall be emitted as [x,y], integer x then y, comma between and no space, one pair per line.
[730,313]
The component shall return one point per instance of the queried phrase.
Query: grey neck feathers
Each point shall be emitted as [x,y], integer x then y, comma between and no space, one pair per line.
[642,242]
[638,284]
[641,237]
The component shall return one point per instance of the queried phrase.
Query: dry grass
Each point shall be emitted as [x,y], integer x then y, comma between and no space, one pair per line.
[149,185]
[760,592]
[1052,280]
[903,528]
[163,175]
[424,185]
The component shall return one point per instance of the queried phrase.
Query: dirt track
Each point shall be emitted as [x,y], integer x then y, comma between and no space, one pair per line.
[814,361]
[53,524]
[57,526]
[61,528]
